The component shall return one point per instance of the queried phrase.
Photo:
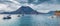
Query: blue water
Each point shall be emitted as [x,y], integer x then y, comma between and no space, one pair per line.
[31,20]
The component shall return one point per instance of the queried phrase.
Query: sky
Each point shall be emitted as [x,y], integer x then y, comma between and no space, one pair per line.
[43,6]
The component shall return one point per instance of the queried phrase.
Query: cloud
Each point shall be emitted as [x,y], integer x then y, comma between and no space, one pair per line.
[43,11]
[22,1]
[44,7]
[14,1]
[8,7]
[3,7]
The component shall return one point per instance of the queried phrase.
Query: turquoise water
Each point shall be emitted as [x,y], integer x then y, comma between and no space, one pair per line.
[30,20]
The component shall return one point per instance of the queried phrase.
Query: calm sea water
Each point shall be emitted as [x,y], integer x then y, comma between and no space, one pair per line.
[29,20]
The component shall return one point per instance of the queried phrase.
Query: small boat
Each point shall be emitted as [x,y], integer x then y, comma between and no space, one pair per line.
[18,15]
[22,14]
[8,17]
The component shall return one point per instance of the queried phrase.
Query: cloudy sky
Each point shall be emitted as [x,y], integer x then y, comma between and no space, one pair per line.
[43,6]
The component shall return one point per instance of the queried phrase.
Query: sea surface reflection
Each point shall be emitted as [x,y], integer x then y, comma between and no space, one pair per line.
[29,20]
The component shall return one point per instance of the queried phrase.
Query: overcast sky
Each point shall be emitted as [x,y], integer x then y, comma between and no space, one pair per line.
[43,6]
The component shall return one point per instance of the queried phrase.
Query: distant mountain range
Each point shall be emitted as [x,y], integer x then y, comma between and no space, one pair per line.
[26,10]
[23,10]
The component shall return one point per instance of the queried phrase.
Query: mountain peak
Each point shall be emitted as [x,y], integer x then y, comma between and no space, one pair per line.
[26,10]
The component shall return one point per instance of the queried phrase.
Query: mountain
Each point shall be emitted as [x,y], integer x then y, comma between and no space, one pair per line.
[23,10]
[49,13]
[26,10]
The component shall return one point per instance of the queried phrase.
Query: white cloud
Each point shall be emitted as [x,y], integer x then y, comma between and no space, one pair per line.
[43,11]
[14,1]
[8,8]
[3,7]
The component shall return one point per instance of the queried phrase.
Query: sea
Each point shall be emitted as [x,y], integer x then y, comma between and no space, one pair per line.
[29,20]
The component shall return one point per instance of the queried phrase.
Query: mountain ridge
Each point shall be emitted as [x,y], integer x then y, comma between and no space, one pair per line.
[26,10]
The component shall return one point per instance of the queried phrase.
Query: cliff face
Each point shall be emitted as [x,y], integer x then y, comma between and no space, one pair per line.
[23,10]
